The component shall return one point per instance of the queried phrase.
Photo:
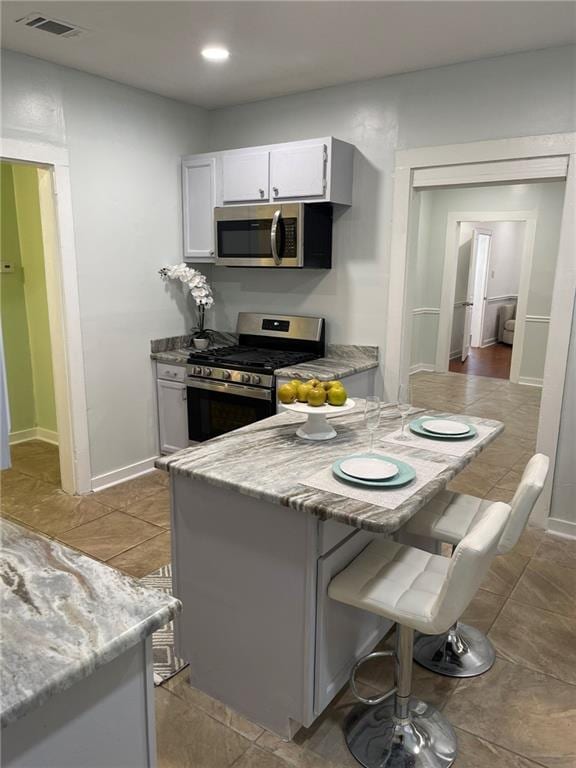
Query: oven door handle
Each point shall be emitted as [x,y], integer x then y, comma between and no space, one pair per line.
[274,237]
[230,389]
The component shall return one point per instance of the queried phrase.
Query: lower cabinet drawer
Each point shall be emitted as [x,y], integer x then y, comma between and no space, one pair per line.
[343,633]
[170,372]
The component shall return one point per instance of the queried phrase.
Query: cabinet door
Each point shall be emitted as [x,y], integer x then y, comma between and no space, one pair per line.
[199,198]
[245,177]
[172,416]
[298,171]
[343,633]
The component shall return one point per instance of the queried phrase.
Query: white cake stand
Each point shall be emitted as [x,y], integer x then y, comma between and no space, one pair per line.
[316,427]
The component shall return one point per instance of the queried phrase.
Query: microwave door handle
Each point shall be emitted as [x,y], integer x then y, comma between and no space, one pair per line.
[274,237]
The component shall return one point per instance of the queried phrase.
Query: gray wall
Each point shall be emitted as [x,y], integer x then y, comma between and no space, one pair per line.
[514,95]
[125,147]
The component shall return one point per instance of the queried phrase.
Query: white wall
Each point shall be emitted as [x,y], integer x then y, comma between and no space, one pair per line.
[125,147]
[545,198]
[514,95]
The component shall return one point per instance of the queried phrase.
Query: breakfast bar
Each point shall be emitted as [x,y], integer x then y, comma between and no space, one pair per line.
[260,527]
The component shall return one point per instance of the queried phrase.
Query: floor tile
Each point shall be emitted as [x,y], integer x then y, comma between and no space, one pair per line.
[124,494]
[256,757]
[109,535]
[32,448]
[144,558]
[538,639]
[526,712]
[60,512]
[530,541]
[510,480]
[558,550]
[20,492]
[42,466]
[180,686]
[187,737]
[293,754]
[482,611]
[478,753]
[154,509]
[549,586]
[499,494]
[504,573]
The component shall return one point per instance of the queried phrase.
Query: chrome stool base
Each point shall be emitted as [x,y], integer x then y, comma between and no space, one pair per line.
[462,652]
[377,738]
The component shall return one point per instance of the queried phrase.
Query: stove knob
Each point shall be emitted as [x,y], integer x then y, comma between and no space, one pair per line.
[225,374]
[197,370]
[256,379]
[245,378]
[207,371]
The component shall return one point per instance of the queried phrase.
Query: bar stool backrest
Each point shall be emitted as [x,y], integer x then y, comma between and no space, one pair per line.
[468,567]
[522,504]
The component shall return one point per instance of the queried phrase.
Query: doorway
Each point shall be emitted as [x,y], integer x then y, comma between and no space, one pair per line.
[489,265]
[33,434]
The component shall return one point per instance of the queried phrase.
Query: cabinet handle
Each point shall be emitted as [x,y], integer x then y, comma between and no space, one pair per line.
[184,394]
[275,190]
[261,192]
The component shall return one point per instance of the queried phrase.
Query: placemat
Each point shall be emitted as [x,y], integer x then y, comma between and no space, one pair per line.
[387,498]
[436,445]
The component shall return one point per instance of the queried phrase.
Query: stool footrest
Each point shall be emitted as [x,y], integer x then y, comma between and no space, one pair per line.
[370,700]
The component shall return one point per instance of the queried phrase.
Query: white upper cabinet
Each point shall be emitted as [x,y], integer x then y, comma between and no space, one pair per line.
[298,171]
[199,199]
[245,177]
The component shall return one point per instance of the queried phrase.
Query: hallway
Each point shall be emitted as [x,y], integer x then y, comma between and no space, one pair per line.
[493,361]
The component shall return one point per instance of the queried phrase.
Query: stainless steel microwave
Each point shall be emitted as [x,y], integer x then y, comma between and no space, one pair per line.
[290,235]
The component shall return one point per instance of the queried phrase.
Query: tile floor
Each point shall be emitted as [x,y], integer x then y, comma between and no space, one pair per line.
[521,714]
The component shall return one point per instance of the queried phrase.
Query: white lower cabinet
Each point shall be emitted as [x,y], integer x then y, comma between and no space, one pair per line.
[172,415]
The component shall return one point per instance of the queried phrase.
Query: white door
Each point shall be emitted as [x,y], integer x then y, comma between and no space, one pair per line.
[172,415]
[298,171]
[482,246]
[245,177]
[199,199]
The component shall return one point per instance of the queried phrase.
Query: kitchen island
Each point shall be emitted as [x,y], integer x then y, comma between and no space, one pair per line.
[254,550]
[75,658]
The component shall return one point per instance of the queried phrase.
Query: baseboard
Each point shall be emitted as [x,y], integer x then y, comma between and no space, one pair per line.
[530,382]
[563,528]
[454,355]
[422,368]
[489,342]
[35,433]
[99,482]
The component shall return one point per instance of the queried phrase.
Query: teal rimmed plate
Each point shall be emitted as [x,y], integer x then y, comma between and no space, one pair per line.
[418,429]
[405,475]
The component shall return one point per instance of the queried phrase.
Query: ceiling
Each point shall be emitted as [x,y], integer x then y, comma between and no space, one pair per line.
[280,47]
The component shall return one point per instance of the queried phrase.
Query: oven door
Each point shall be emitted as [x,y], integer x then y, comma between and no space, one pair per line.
[259,235]
[215,408]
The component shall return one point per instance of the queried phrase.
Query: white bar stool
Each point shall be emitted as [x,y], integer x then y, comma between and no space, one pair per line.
[465,651]
[424,592]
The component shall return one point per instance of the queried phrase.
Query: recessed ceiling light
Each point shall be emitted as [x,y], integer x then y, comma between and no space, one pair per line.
[215,53]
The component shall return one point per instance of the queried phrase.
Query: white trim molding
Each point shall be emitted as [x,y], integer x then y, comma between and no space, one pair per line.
[529,169]
[63,305]
[422,368]
[537,318]
[531,381]
[564,528]
[426,311]
[129,472]
[493,299]
[35,433]
[397,343]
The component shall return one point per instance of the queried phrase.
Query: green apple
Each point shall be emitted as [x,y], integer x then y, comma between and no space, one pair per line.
[287,394]
[302,392]
[337,396]
[317,396]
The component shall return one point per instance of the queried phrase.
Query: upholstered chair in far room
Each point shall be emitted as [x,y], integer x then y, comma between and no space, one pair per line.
[465,651]
[506,323]
[421,592]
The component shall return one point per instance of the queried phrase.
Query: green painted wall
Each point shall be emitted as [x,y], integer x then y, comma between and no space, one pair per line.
[13,311]
[32,253]
[24,309]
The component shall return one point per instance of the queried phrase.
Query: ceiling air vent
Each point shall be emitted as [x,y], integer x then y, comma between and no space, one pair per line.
[54,26]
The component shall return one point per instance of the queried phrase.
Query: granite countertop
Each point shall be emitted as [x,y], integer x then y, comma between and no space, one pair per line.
[341,359]
[64,615]
[279,460]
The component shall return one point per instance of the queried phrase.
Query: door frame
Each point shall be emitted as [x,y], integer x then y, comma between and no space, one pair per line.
[455,220]
[63,305]
[520,159]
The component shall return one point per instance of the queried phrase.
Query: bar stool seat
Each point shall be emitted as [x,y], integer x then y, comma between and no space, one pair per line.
[464,651]
[423,592]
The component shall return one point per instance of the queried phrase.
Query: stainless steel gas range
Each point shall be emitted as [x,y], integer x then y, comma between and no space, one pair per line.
[230,387]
